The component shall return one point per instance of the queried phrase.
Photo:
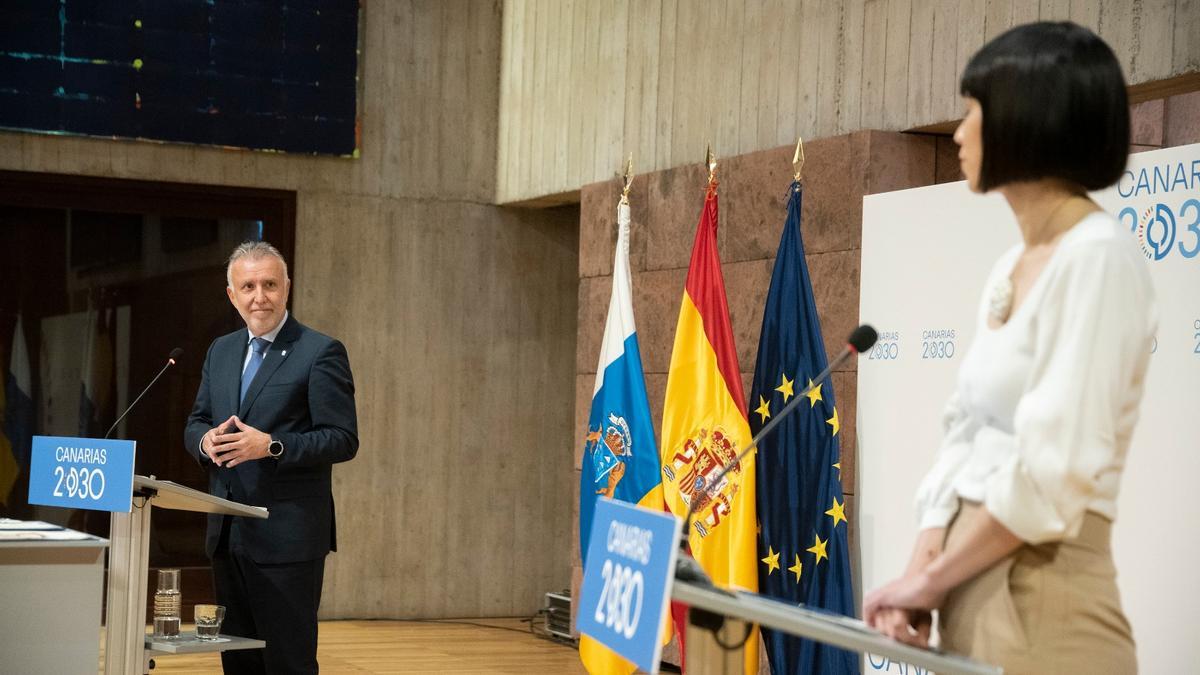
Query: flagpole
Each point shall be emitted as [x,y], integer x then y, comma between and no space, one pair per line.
[798,158]
[627,177]
[711,160]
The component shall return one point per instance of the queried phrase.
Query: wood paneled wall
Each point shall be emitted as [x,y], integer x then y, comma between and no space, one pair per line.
[584,83]
[459,318]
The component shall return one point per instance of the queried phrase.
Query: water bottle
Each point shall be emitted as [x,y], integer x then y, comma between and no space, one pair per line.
[167,601]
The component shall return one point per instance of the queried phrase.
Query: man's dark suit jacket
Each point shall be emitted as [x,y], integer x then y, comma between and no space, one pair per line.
[303,396]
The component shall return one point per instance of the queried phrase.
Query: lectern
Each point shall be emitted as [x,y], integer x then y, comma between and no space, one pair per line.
[704,656]
[129,566]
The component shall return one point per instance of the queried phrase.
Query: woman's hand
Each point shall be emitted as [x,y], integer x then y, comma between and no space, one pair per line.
[983,542]
[914,591]
[907,626]
[910,625]
[901,609]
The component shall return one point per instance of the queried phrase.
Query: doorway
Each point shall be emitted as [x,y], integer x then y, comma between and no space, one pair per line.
[100,280]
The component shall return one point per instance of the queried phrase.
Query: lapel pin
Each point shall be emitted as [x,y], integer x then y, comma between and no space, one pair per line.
[284,353]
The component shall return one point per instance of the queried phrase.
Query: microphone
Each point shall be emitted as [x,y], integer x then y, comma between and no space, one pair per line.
[860,340]
[171,359]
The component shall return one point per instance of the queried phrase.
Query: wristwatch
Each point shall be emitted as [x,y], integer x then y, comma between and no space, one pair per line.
[275,448]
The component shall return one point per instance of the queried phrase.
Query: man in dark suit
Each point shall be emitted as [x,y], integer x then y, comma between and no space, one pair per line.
[274,413]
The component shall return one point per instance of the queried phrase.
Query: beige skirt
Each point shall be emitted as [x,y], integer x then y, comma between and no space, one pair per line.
[1050,608]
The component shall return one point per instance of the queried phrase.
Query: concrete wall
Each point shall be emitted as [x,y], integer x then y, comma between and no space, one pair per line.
[459,318]
[586,83]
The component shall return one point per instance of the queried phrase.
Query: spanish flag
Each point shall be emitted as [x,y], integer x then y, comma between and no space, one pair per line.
[705,423]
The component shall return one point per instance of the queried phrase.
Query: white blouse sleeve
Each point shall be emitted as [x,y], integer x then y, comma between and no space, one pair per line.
[936,499]
[1092,340]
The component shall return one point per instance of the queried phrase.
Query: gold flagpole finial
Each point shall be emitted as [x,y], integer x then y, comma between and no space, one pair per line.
[711,160]
[628,179]
[798,159]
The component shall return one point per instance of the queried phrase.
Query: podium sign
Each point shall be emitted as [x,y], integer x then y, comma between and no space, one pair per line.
[81,473]
[627,581]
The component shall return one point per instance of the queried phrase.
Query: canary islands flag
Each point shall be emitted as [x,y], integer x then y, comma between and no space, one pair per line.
[98,387]
[803,548]
[704,425]
[620,458]
[16,414]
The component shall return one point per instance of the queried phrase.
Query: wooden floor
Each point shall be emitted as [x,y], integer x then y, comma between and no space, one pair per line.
[490,646]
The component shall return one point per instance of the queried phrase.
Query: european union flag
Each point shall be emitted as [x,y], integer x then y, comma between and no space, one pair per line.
[804,556]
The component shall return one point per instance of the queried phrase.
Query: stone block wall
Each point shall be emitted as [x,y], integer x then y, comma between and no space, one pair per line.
[753,190]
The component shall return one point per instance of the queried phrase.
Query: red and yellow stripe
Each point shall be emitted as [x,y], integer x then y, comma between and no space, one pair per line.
[705,401]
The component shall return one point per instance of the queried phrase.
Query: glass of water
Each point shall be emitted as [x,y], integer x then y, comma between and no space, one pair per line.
[208,621]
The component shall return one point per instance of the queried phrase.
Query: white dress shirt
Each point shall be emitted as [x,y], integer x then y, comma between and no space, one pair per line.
[269,336]
[1045,405]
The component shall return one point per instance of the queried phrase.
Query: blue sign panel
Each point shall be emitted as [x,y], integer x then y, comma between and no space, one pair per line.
[627,582]
[81,473]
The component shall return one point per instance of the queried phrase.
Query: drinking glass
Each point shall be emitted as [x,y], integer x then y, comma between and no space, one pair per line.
[208,621]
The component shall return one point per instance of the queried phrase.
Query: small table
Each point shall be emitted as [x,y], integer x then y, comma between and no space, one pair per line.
[188,643]
[50,583]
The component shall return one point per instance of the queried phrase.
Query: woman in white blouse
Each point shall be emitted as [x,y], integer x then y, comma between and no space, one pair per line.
[1016,513]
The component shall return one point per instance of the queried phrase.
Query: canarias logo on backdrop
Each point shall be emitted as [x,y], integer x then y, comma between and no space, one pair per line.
[1162,208]
[703,456]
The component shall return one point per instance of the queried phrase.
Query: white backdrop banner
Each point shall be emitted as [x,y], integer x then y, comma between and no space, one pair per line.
[925,255]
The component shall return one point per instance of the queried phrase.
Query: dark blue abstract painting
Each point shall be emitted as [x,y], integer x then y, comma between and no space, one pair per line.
[276,75]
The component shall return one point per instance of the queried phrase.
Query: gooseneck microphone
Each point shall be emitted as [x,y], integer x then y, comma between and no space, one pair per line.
[171,359]
[860,340]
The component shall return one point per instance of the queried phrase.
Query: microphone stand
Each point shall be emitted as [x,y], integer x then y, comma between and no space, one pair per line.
[686,567]
[170,362]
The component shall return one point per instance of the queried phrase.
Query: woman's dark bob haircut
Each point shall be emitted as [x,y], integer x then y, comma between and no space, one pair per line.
[1054,106]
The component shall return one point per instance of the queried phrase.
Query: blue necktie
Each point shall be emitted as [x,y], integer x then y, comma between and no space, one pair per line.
[259,346]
